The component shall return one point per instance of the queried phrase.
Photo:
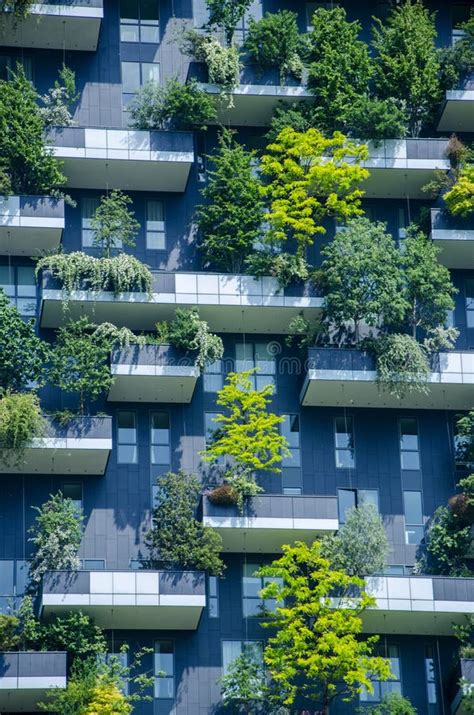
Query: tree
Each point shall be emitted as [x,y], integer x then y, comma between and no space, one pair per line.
[317,652]
[465,439]
[231,220]
[177,539]
[362,277]
[402,365]
[20,422]
[275,41]
[445,546]
[9,636]
[407,65]
[310,177]
[75,633]
[56,536]
[459,199]
[376,119]
[59,99]
[19,8]
[113,224]
[108,699]
[243,687]
[27,165]
[361,546]
[227,14]
[174,106]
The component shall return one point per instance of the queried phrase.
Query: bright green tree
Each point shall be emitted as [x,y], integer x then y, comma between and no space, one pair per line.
[113,224]
[407,65]
[230,221]
[108,699]
[316,652]
[275,41]
[20,422]
[227,14]
[309,177]
[460,198]
[243,687]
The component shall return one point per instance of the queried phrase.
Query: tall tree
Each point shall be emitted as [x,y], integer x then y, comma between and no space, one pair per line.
[243,687]
[113,224]
[227,15]
[316,652]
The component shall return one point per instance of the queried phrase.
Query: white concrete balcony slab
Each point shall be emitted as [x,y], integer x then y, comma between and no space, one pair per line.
[26,677]
[458,111]
[30,225]
[455,237]
[229,303]
[136,600]
[124,158]
[271,520]
[81,447]
[66,25]
[338,377]
[152,373]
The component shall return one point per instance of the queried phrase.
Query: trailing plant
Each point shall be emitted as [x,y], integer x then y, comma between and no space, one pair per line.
[22,354]
[78,271]
[177,539]
[230,221]
[223,63]
[9,636]
[459,199]
[391,704]
[20,422]
[174,106]
[188,332]
[402,365]
[113,224]
[56,109]
[114,336]
[243,687]
[56,537]
[226,14]
[275,41]
[285,267]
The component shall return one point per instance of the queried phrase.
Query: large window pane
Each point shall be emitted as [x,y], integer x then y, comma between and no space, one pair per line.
[344,442]
[127,452]
[130,77]
[346,499]
[413,508]
[164,670]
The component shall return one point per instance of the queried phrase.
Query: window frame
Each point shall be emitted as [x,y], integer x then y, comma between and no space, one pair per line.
[351,450]
[127,443]
[167,677]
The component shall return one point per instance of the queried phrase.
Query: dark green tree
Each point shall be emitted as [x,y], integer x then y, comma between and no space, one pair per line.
[73,632]
[227,14]
[275,41]
[113,224]
[243,687]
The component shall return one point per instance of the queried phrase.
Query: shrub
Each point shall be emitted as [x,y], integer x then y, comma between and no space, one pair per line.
[108,699]
[223,63]
[285,267]
[274,41]
[188,332]
[174,106]
[243,485]
[446,546]
[391,704]
[457,61]
[74,633]
[465,440]
[223,495]
[58,100]
[226,14]
[460,199]
[9,637]
[244,684]
[20,421]
[113,224]
[402,365]
[376,119]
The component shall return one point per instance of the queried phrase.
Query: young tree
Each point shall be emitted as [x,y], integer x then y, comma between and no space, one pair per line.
[59,99]
[317,652]
[227,15]
[177,539]
[231,219]
[362,277]
[243,687]
[56,536]
[310,177]
[407,65]
[113,224]
[275,41]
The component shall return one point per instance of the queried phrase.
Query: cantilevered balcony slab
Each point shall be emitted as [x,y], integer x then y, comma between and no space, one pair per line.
[124,159]
[269,521]
[66,25]
[338,377]
[25,679]
[138,600]
[30,225]
[422,605]
[455,236]
[81,447]
[458,111]
[229,303]
[152,373]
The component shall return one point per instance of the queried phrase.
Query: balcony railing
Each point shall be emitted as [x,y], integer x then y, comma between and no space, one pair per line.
[30,225]
[138,600]
[81,447]
[271,520]
[455,236]
[26,677]
[152,373]
[345,377]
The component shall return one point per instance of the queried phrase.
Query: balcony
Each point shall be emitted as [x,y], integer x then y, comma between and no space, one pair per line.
[269,521]
[455,236]
[81,447]
[30,225]
[418,604]
[401,167]
[136,600]
[229,303]
[466,672]
[348,378]
[124,159]
[152,373]
[25,679]
[65,25]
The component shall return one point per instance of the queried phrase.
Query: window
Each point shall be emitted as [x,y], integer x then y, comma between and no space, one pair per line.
[213,378]
[160,439]
[253,605]
[135,75]
[409,444]
[256,355]
[92,564]
[88,209]
[344,442]
[213,596]
[430,672]
[413,517]
[164,670]
[127,452]
[73,491]
[8,66]
[396,570]
[402,224]
[232,649]
[139,21]
[13,579]
[389,686]
[290,429]
[469,285]
[350,498]
[19,285]
[155,226]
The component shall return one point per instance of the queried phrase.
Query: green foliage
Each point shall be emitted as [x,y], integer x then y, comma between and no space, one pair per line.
[446,546]
[376,119]
[115,337]
[316,651]
[223,63]
[113,224]
[301,333]
[243,485]
[402,365]
[457,61]
[188,332]
[285,267]
[78,271]
[297,116]
[459,199]
[310,177]
[174,106]
[59,99]
[108,699]
[226,14]
[20,9]
[22,353]
[391,704]
[243,687]
[275,41]
[465,440]
[9,637]
[75,633]
[177,539]
[230,220]
[360,547]
[79,362]
[56,536]
[75,698]
[407,66]
[27,166]
[20,422]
